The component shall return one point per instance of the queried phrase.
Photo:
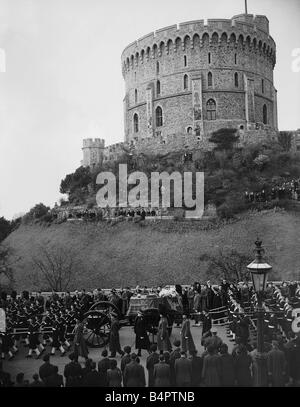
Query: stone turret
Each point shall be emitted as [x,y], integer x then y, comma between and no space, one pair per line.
[93,150]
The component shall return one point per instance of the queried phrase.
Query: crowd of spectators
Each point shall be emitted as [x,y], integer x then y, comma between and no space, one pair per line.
[179,366]
[287,190]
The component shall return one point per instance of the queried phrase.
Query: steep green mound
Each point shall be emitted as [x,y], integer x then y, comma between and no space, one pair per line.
[162,253]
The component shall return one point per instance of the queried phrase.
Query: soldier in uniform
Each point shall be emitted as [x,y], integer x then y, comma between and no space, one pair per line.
[141,339]
[6,342]
[56,345]
[80,347]
[34,343]
[114,339]
[187,342]
[163,341]
[62,331]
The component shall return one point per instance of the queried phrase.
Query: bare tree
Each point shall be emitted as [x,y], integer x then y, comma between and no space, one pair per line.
[57,265]
[228,264]
[6,263]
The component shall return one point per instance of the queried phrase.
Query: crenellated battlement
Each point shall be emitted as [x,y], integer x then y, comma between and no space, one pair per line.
[93,143]
[246,30]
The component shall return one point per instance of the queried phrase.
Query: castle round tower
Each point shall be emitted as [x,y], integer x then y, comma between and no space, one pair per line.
[93,151]
[195,78]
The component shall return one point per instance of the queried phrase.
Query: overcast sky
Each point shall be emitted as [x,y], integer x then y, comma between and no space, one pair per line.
[63,79]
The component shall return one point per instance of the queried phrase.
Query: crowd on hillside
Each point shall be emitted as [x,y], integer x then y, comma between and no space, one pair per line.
[205,303]
[287,190]
[107,213]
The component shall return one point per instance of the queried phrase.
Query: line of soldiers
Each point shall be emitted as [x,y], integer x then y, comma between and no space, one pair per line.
[279,304]
[288,190]
[42,322]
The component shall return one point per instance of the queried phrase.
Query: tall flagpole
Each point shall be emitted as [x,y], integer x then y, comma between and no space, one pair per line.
[246,9]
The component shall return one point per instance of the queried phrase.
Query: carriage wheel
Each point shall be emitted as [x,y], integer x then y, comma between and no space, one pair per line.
[97,328]
[106,307]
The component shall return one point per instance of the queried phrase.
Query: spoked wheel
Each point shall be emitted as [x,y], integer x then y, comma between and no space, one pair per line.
[97,328]
[106,307]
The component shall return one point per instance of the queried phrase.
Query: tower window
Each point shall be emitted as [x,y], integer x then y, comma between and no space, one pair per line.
[211,109]
[236,80]
[209,79]
[265,114]
[185,60]
[135,123]
[185,82]
[135,76]
[262,86]
[157,68]
[159,116]
[209,58]
[235,59]
[135,96]
[158,88]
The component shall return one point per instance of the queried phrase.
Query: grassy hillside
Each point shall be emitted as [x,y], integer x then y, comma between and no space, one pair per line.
[161,253]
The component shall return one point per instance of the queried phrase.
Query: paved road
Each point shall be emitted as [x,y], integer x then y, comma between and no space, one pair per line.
[127,337]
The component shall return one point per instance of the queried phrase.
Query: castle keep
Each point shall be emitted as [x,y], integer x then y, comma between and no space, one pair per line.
[185,81]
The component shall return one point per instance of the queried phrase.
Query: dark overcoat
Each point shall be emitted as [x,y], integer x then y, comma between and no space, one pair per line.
[276,367]
[114,377]
[80,347]
[141,338]
[211,372]
[183,372]
[114,339]
[242,363]
[163,340]
[134,375]
[161,375]
[227,370]
[152,360]
[187,342]
[197,366]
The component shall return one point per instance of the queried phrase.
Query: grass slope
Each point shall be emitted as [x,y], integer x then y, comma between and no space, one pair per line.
[162,253]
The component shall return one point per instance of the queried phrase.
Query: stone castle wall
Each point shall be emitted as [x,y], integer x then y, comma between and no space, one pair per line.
[170,69]
[239,47]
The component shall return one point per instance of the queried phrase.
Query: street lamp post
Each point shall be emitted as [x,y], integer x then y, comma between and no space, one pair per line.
[259,270]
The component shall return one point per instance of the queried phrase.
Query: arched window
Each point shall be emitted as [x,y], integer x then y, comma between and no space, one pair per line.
[185,60]
[159,116]
[209,58]
[265,114]
[185,82]
[236,80]
[157,68]
[135,123]
[209,79]
[235,59]
[211,109]
[135,96]
[158,88]
[262,86]
[189,130]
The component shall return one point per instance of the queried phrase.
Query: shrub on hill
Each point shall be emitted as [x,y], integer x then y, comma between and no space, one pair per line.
[229,169]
